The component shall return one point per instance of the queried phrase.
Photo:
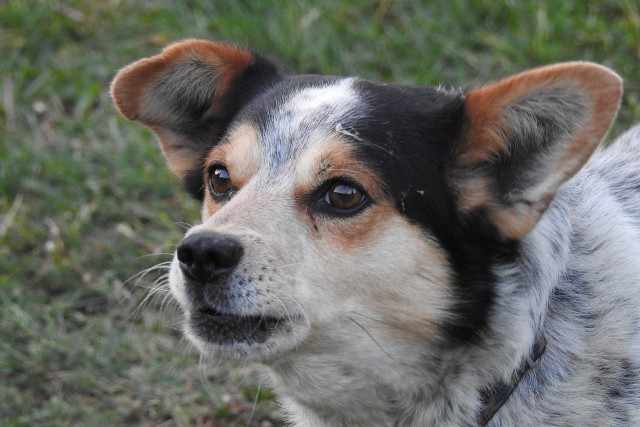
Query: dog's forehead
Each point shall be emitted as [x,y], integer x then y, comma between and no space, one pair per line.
[301,115]
[332,98]
[401,132]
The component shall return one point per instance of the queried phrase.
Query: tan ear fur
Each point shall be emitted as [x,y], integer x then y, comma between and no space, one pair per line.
[176,91]
[537,129]
[132,85]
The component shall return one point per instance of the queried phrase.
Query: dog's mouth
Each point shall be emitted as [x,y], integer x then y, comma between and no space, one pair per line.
[228,329]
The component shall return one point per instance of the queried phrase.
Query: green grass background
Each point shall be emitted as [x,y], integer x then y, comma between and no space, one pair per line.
[86,201]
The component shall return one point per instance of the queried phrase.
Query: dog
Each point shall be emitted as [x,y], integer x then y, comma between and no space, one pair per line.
[405,256]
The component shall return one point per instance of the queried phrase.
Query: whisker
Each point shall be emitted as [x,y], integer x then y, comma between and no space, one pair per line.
[154,255]
[138,277]
[297,279]
[373,339]
[184,225]
[255,403]
[390,324]
[290,265]
[157,289]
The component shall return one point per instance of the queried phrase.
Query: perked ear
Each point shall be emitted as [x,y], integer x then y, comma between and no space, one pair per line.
[525,136]
[187,95]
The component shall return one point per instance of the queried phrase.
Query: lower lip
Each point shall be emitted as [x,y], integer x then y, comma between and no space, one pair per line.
[225,329]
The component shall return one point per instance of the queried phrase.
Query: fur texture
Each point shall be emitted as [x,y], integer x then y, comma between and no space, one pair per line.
[389,253]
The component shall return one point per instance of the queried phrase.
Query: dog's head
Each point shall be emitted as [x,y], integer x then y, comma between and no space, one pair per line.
[330,203]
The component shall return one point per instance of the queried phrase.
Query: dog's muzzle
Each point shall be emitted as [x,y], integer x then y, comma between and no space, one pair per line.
[218,310]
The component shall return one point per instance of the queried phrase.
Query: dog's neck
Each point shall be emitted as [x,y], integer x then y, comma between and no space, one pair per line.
[325,390]
[334,390]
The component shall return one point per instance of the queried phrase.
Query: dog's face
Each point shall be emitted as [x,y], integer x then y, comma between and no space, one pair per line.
[336,210]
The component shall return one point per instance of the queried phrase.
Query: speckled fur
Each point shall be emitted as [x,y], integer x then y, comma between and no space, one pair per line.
[402,314]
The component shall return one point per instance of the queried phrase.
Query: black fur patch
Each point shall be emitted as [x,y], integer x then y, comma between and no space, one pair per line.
[409,137]
[193,182]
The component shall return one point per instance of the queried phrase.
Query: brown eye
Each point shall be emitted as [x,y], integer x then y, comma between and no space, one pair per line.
[219,181]
[344,196]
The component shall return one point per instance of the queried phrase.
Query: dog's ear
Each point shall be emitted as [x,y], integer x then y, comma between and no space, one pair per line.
[524,137]
[187,95]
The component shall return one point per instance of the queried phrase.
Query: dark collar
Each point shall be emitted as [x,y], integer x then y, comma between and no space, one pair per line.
[494,396]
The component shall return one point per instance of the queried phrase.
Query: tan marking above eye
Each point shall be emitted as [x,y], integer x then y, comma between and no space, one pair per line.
[333,158]
[240,154]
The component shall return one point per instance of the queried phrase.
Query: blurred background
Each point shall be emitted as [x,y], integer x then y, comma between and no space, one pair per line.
[87,204]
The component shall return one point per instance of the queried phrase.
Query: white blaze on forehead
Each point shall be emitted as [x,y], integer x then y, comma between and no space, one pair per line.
[307,116]
[336,99]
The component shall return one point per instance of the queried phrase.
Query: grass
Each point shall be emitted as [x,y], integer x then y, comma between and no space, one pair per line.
[86,201]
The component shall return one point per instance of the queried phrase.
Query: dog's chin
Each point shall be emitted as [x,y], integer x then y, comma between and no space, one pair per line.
[243,337]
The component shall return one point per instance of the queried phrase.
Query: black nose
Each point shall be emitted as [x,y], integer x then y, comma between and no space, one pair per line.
[206,256]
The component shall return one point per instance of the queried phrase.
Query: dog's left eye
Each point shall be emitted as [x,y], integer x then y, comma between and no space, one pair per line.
[219,181]
[344,197]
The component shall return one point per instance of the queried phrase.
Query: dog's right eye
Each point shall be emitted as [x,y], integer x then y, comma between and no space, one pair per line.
[339,198]
[344,196]
[219,181]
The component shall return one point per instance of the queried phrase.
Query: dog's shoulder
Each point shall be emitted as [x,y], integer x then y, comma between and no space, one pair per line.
[585,253]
